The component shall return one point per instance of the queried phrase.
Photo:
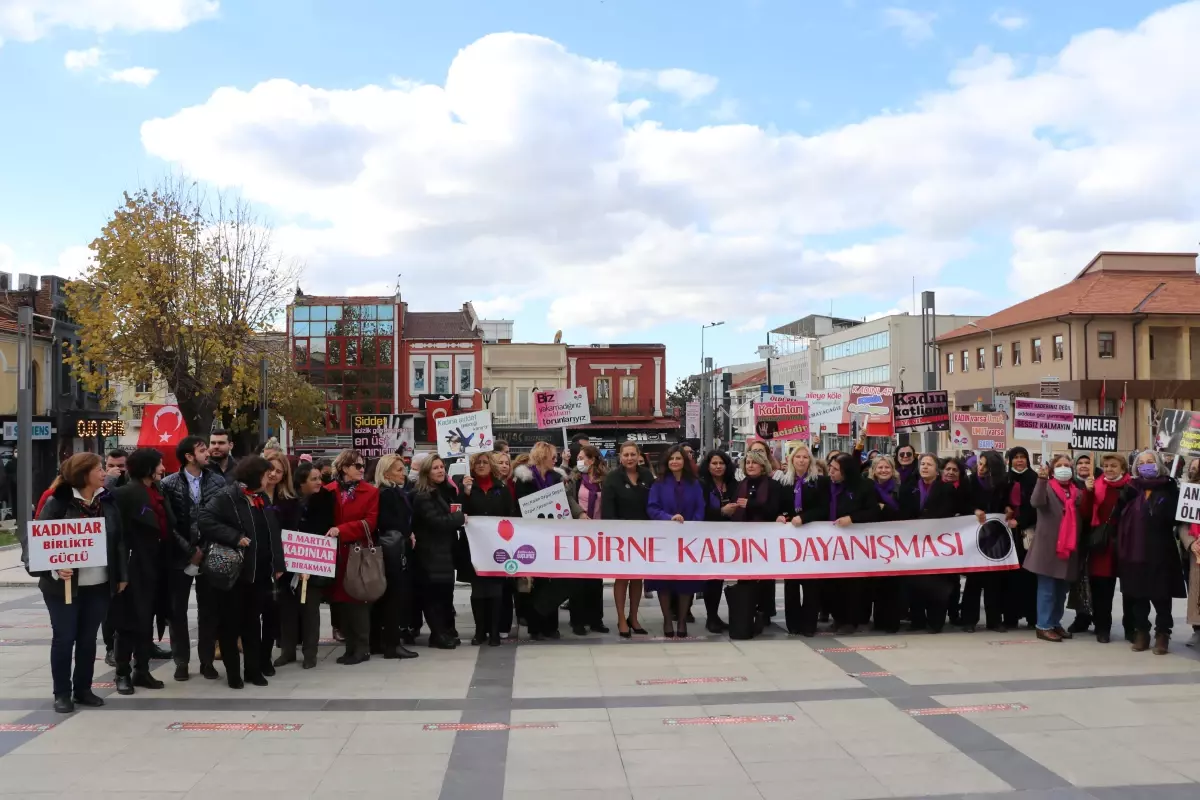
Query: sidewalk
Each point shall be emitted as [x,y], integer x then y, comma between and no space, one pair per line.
[12,571]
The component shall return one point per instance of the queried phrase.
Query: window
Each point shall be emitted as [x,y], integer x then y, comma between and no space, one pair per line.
[863,344]
[1151,347]
[1035,349]
[499,404]
[441,376]
[981,359]
[868,375]
[523,404]
[465,369]
[965,363]
[1110,407]
[142,387]
[1016,353]
[628,394]
[416,376]
[1106,344]
[949,363]
[998,356]
[1058,347]
[300,351]
[603,388]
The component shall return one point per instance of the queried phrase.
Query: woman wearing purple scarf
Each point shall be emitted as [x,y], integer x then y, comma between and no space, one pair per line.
[809,492]
[886,593]
[587,594]
[676,497]
[1148,560]
[851,500]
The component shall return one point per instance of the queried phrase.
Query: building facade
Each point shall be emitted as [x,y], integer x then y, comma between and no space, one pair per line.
[882,352]
[627,388]
[1127,324]
[443,357]
[514,372]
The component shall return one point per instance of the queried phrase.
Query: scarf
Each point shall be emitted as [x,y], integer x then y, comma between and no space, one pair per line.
[346,491]
[1133,534]
[907,472]
[160,512]
[255,499]
[1068,528]
[925,489]
[835,492]
[1101,490]
[541,481]
[92,509]
[952,483]
[593,494]
[485,483]
[679,494]
[760,493]
[887,493]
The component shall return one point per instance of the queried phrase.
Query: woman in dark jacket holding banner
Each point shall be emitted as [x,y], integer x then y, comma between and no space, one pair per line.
[716,476]
[809,493]
[78,494]
[937,494]
[484,494]
[886,593]
[548,593]
[437,521]
[300,623]
[989,494]
[625,495]
[676,497]
[759,498]
[237,517]
[852,500]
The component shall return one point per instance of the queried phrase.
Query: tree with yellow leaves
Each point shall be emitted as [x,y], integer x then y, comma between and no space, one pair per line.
[181,288]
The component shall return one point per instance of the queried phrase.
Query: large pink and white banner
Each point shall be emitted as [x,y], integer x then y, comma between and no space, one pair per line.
[702,550]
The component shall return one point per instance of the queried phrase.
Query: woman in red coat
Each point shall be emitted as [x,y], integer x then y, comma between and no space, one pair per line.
[355,517]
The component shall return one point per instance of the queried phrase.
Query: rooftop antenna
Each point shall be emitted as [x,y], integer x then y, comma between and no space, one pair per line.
[398,276]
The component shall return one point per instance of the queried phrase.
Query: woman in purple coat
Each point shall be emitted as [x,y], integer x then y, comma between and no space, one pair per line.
[676,497]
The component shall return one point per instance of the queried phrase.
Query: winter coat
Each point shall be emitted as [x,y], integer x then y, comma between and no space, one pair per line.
[62,504]
[1154,570]
[437,529]
[1188,537]
[575,484]
[356,519]
[150,558]
[227,518]
[1043,558]
[315,515]
[715,499]
[857,500]
[991,499]
[814,496]
[498,501]
[526,485]
[945,500]
[177,491]
[620,499]
[764,500]
[663,505]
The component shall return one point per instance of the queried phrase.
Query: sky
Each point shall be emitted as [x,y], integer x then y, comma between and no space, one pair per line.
[621,170]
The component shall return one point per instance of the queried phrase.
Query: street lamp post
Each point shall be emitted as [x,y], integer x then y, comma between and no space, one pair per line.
[704,378]
[992,348]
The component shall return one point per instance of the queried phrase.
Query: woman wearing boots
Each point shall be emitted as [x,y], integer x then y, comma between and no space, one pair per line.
[390,613]
[1021,601]
[1105,492]
[852,499]
[809,493]
[1062,509]
[587,596]
[300,623]
[281,498]
[676,497]
[625,495]
[437,519]
[484,494]
[548,593]
[238,517]
[356,515]
[716,476]
[1148,561]
[78,493]
[989,494]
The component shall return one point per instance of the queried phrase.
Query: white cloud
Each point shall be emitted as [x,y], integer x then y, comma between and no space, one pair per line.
[726,111]
[70,264]
[1009,20]
[689,86]
[79,60]
[138,76]
[30,20]
[914,26]
[526,175]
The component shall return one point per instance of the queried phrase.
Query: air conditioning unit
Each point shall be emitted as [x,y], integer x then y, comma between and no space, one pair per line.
[27,283]
[5,282]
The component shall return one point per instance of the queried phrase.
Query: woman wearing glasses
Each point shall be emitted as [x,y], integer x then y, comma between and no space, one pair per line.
[354,520]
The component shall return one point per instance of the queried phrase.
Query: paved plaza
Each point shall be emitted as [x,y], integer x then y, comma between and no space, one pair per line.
[958,715]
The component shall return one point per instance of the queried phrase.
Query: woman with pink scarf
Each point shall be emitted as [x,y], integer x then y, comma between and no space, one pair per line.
[1063,510]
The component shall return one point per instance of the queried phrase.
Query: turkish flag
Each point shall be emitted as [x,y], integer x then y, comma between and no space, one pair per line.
[435,410]
[163,428]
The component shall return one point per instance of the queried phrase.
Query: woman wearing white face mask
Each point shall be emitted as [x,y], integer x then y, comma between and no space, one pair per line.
[587,594]
[1147,551]
[1062,512]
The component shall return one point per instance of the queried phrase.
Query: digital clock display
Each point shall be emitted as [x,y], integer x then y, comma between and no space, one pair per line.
[89,428]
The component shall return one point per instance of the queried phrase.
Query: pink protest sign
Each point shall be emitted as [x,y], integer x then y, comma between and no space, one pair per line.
[1048,420]
[562,408]
[310,554]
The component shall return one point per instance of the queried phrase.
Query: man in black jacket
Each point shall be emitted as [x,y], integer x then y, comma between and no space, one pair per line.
[219,459]
[186,490]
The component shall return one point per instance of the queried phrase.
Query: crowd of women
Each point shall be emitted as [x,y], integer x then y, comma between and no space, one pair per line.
[218,524]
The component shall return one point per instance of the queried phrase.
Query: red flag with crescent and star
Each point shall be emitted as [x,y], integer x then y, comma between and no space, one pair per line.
[163,428]
[435,410]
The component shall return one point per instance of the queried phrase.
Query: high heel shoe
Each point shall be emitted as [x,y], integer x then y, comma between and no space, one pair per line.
[639,631]
[668,632]
[625,634]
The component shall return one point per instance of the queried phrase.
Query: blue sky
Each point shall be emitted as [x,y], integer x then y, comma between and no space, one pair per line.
[629,169]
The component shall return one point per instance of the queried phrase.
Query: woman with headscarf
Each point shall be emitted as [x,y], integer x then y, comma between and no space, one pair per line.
[1021,600]
[676,497]
[809,493]
[716,476]
[484,494]
[1148,559]
[988,489]
[1063,509]
[355,518]
[585,491]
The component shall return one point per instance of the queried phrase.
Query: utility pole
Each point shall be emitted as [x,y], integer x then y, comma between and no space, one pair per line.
[24,420]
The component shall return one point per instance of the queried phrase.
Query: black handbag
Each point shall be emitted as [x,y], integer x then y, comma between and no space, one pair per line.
[222,566]
[1101,536]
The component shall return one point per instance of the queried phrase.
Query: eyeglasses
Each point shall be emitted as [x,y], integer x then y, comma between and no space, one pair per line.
[358,465]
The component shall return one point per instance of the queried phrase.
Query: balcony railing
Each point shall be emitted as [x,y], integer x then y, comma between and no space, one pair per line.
[528,418]
[626,407]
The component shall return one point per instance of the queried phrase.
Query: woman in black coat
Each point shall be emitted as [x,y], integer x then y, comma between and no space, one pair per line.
[238,517]
[484,494]
[437,521]
[809,493]
[716,476]
[887,593]
[759,498]
[152,539]
[989,494]
[938,494]
[1020,601]
[851,500]
[78,493]
[300,623]
[392,614]
[625,494]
